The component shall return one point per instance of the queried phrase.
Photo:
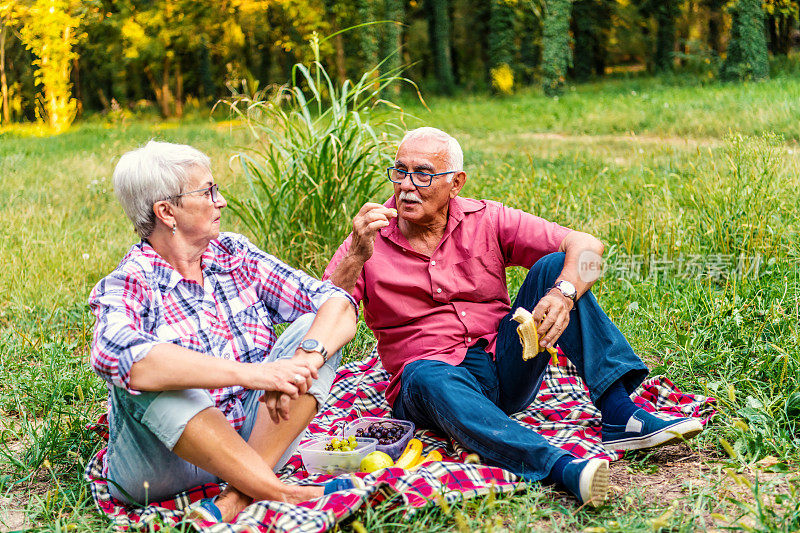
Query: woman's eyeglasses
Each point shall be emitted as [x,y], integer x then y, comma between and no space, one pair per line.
[210,192]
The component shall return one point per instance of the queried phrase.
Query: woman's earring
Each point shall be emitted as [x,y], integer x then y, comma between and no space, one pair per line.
[174,227]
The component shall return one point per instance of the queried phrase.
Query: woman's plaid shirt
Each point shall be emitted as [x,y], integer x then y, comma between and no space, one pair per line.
[245,292]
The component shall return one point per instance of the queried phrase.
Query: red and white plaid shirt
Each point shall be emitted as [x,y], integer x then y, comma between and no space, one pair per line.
[245,292]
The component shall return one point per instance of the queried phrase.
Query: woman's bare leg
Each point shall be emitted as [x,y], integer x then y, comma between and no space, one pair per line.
[209,442]
[270,441]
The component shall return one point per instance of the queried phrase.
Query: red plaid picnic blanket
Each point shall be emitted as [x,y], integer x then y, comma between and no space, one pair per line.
[562,413]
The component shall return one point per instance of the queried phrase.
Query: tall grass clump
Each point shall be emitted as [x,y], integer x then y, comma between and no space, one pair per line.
[320,152]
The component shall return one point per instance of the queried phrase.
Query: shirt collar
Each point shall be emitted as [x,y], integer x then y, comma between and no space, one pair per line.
[217,258]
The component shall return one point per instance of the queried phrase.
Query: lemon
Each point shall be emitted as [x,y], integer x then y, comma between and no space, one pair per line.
[375,461]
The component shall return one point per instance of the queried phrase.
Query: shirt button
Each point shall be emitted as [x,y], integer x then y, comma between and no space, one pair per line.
[438,290]
[433,263]
[469,339]
[463,313]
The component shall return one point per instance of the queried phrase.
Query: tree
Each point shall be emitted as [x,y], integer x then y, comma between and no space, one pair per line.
[10,11]
[747,49]
[556,52]
[392,39]
[439,32]
[591,20]
[368,35]
[664,12]
[715,24]
[782,17]
[501,42]
[49,31]
[332,10]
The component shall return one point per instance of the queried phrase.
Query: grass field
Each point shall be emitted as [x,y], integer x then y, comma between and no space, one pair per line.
[696,186]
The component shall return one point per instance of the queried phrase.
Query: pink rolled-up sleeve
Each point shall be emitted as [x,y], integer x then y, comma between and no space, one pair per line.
[358,290]
[526,238]
[119,304]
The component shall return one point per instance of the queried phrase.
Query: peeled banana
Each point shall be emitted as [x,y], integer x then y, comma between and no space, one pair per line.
[529,337]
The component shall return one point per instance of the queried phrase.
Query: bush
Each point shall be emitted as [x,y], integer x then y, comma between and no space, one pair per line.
[503,79]
[320,152]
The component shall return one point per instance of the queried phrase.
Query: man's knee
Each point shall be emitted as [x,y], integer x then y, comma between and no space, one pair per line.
[435,380]
[549,267]
[424,376]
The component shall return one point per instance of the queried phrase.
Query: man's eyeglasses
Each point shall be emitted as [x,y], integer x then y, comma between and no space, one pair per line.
[210,192]
[419,179]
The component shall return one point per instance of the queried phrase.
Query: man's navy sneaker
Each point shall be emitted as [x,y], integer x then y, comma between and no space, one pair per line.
[587,480]
[645,430]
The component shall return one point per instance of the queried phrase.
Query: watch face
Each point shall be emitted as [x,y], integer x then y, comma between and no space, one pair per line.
[567,288]
[310,345]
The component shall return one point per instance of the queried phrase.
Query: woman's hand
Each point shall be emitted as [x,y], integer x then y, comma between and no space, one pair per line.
[292,377]
[277,400]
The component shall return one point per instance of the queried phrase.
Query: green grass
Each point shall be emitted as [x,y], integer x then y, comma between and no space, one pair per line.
[601,159]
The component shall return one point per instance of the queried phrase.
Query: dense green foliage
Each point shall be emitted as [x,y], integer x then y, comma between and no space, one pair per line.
[747,50]
[178,56]
[556,52]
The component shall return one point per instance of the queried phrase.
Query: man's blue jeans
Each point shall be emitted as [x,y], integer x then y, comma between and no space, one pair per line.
[472,402]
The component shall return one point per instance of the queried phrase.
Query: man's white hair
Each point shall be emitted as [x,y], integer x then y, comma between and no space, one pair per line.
[455,156]
[155,172]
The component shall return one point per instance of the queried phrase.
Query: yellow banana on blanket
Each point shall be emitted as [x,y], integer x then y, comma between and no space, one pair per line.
[529,337]
[430,458]
[410,455]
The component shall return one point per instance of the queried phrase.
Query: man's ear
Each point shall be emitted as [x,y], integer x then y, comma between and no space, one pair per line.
[459,179]
[164,212]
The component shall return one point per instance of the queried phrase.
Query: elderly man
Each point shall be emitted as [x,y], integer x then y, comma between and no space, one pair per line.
[429,267]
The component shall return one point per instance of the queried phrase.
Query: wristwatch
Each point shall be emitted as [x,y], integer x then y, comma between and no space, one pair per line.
[567,289]
[312,345]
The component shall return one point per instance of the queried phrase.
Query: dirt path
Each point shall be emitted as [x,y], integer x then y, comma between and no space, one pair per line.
[680,142]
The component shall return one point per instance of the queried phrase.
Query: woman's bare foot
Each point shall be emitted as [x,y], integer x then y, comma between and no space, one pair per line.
[231,502]
[303,493]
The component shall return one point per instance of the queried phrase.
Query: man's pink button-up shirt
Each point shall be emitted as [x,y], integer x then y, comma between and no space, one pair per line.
[422,307]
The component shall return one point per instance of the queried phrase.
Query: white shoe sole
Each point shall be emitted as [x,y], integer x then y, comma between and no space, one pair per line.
[672,435]
[594,482]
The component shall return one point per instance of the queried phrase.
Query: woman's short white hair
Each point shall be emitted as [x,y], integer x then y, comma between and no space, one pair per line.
[150,174]
[455,156]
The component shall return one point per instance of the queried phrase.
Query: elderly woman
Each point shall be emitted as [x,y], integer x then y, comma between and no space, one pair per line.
[200,387]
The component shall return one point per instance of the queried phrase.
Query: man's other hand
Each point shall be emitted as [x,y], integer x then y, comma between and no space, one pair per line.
[552,315]
[366,224]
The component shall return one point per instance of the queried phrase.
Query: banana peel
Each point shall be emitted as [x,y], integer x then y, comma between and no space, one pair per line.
[529,337]
[410,455]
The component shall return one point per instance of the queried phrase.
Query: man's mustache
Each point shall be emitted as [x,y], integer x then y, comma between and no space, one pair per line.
[409,196]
